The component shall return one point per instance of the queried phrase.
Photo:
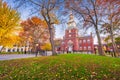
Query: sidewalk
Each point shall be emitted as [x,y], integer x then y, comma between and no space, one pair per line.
[15,56]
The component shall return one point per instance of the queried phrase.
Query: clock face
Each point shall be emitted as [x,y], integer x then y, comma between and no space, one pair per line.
[71,24]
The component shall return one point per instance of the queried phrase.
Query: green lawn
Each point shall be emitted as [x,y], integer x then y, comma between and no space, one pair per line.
[62,67]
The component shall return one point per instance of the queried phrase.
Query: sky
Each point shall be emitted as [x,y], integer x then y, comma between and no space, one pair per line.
[59,29]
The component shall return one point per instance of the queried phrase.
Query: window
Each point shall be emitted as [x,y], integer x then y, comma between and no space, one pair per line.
[88,40]
[69,35]
[80,48]
[70,42]
[89,47]
[80,41]
[69,31]
[84,41]
[84,48]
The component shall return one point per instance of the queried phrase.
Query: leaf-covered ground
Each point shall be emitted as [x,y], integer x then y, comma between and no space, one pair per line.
[62,67]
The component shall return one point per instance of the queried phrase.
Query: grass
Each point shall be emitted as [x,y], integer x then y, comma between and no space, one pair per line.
[61,67]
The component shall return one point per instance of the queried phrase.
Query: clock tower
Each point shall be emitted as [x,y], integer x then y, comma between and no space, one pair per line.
[70,40]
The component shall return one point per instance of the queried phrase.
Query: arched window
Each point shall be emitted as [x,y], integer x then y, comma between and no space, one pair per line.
[69,31]
[69,35]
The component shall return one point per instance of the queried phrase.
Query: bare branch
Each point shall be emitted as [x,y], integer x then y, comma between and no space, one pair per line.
[36,3]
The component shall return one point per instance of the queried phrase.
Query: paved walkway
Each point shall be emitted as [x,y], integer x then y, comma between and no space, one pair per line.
[15,56]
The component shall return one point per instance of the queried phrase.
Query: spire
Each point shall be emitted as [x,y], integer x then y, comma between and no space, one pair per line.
[71,16]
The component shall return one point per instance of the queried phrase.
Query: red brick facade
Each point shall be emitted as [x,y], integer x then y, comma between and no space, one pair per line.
[72,42]
[81,44]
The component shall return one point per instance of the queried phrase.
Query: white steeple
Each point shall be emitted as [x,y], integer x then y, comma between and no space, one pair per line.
[71,23]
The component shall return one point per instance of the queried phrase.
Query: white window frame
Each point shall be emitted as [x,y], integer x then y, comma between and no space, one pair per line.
[84,41]
[80,48]
[88,40]
[89,47]
[69,31]
[80,41]
[85,48]
[69,35]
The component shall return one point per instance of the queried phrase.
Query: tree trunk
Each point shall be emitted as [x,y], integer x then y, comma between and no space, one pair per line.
[51,40]
[115,51]
[34,49]
[100,50]
[1,49]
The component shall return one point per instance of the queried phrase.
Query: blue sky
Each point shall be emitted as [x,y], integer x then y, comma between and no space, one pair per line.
[60,29]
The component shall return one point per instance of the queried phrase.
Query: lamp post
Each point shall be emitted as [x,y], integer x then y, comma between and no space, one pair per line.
[63,46]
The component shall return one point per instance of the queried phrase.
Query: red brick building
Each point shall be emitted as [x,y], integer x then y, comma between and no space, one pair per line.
[72,42]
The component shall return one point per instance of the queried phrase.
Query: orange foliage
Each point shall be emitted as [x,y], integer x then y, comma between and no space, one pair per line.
[46,46]
[35,30]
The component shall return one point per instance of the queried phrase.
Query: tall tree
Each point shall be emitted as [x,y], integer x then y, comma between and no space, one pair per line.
[9,29]
[47,9]
[35,31]
[88,10]
[111,12]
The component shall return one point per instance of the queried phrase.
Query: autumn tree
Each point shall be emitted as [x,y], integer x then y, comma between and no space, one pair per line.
[9,28]
[117,40]
[109,42]
[48,10]
[35,31]
[111,24]
[46,47]
[88,11]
